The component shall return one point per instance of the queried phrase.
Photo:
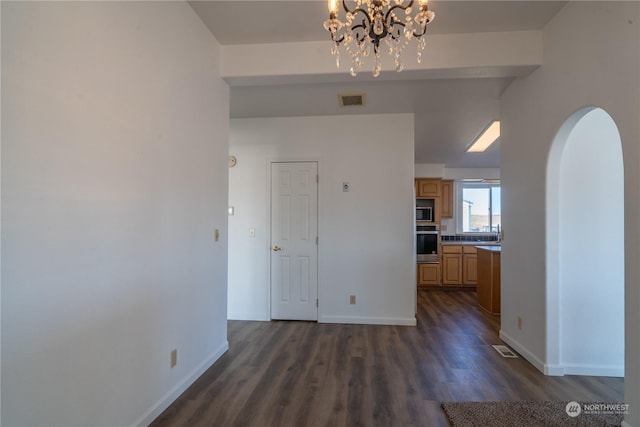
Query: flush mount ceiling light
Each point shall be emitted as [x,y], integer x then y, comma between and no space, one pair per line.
[369,22]
[486,138]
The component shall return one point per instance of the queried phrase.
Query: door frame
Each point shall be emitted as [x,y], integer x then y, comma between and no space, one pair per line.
[270,162]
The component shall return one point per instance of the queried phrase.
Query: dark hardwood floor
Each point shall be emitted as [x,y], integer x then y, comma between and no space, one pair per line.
[307,374]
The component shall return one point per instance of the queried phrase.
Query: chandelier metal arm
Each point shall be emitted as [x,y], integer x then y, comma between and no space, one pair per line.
[418,35]
[397,6]
[346,8]
[393,36]
[424,31]
[364,12]
[364,32]
[340,40]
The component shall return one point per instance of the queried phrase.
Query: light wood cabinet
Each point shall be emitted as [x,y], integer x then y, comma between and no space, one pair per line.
[489,280]
[446,198]
[459,265]
[451,264]
[428,187]
[451,269]
[469,265]
[429,274]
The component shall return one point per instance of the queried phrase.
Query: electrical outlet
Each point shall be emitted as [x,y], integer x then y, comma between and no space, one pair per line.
[252,232]
[352,299]
[174,357]
[519,322]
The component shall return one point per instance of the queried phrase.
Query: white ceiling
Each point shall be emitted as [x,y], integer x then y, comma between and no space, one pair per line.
[449,113]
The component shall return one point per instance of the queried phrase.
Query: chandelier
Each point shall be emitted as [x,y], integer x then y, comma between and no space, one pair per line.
[371,21]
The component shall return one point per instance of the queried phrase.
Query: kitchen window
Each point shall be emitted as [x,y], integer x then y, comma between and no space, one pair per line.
[478,207]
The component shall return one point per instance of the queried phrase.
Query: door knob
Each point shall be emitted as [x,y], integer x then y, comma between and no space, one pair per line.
[276,248]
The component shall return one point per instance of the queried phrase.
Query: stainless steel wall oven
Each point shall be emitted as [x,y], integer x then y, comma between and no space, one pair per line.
[427,243]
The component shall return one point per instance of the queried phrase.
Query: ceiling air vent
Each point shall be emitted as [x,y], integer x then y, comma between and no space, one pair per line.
[351,100]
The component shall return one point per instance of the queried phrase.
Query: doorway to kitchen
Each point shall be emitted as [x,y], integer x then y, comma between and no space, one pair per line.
[585,247]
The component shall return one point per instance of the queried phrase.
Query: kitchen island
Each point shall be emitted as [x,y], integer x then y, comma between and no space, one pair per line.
[488,288]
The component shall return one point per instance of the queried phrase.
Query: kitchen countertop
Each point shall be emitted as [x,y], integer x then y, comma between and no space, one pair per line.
[490,248]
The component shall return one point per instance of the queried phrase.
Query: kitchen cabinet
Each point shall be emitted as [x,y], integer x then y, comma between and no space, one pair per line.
[469,265]
[451,265]
[446,198]
[459,265]
[488,289]
[428,187]
[428,274]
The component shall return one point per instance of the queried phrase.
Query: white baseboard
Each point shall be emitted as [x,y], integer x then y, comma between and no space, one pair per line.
[248,316]
[551,370]
[173,394]
[565,368]
[593,370]
[358,320]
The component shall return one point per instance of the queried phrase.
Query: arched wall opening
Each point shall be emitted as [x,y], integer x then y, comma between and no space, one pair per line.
[585,247]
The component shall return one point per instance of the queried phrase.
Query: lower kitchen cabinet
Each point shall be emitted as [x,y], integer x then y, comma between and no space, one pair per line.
[451,269]
[428,274]
[469,265]
[489,279]
[451,264]
[459,265]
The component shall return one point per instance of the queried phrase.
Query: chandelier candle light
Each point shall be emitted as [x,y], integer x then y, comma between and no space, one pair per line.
[372,21]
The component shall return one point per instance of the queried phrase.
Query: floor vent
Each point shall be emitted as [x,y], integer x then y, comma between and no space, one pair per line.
[351,100]
[505,351]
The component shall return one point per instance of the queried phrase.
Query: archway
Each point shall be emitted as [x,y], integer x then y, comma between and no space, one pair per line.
[585,247]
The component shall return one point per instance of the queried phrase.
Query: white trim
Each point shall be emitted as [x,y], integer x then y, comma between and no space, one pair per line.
[562,369]
[551,370]
[248,316]
[157,408]
[359,320]
[594,370]
[458,207]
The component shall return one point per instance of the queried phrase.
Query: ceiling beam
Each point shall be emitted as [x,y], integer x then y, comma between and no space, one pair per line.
[498,54]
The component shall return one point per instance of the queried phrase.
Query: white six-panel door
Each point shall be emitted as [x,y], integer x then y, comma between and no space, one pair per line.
[294,232]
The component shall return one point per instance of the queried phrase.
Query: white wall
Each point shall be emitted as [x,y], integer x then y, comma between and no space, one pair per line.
[429,170]
[591,248]
[366,235]
[584,64]
[114,177]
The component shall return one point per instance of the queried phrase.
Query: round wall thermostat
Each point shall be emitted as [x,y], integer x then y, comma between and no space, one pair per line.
[232,161]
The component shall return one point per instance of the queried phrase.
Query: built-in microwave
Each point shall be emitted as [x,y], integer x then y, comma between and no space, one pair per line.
[424,213]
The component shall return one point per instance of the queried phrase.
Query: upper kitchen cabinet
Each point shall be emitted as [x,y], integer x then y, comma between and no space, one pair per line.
[447,198]
[428,187]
